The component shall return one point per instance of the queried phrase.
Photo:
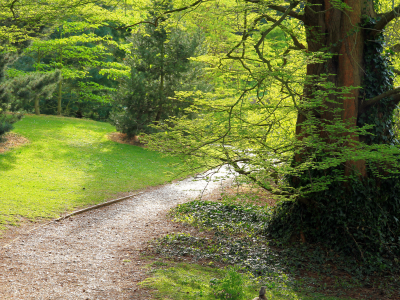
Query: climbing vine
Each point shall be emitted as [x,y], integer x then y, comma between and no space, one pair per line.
[360,217]
[378,78]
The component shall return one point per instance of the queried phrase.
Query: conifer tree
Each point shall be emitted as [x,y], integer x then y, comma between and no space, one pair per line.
[159,65]
[21,88]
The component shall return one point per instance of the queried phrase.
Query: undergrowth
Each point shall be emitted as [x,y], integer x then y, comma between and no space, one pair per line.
[235,234]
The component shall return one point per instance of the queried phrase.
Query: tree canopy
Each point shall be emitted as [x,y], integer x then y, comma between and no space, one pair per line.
[303,106]
[303,102]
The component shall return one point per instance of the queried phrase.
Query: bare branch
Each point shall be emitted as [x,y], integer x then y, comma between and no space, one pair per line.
[386,18]
[394,94]
[281,9]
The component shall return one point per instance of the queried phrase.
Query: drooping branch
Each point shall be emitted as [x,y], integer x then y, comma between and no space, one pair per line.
[394,94]
[12,9]
[385,18]
[138,23]
[247,33]
[276,24]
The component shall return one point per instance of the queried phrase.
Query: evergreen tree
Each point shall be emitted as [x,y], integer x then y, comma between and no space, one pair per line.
[19,88]
[159,65]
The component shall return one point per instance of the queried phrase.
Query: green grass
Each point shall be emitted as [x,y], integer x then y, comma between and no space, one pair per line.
[70,163]
[183,281]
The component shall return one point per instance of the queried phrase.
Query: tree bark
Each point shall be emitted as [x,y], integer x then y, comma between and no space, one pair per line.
[331,30]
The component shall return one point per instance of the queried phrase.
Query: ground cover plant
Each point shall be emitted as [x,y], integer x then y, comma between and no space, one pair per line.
[233,233]
[70,163]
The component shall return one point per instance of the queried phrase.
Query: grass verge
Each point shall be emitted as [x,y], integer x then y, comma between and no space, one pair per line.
[71,163]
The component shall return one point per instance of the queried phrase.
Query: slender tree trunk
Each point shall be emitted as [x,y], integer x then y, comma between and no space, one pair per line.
[37,108]
[161,87]
[60,83]
[59,98]
[37,104]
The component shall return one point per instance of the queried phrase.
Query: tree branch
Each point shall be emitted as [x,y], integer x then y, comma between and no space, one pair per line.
[138,23]
[12,9]
[281,9]
[294,38]
[276,23]
[155,23]
[386,18]
[395,94]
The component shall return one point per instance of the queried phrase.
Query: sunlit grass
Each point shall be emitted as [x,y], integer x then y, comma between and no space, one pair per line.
[71,163]
[191,281]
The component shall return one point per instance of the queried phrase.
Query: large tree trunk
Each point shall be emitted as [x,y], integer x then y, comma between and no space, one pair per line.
[336,31]
[338,215]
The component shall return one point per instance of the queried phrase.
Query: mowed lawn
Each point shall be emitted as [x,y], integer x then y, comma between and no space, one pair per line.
[70,163]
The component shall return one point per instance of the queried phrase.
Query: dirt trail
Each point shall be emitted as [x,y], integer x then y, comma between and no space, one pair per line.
[93,255]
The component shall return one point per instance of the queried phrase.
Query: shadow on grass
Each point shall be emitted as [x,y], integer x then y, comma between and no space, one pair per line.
[8,161]
[70,163]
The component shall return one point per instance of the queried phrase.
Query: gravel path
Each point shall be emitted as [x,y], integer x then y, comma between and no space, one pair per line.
[93,255]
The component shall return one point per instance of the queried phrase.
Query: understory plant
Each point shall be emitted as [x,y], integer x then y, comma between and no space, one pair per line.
[239,235]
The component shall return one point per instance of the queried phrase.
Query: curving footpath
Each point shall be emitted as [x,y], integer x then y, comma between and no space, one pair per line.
[94,255]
